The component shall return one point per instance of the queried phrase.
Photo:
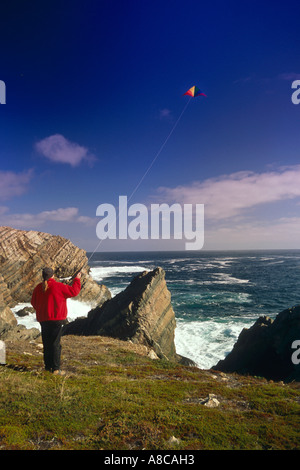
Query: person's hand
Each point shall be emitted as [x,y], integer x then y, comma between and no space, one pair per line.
[78,275]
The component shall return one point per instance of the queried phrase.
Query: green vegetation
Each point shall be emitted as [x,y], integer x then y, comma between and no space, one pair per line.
[114,397]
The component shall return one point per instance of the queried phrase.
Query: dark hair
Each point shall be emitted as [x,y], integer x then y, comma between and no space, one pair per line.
[46,273]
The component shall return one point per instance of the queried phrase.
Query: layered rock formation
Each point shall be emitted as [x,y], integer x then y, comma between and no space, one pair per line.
[23,254]
[141,313]
[266,349]
[9,328]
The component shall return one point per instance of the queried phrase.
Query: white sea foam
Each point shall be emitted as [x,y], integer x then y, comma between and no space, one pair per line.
[178,260]
[75,309]
[207,342]
[223,263]
[100,273]
[223,278]
[29,320]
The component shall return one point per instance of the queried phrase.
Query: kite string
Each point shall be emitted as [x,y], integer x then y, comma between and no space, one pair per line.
[160,150]
[150,166]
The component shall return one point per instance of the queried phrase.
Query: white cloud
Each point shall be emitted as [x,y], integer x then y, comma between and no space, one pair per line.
[165,114]
[279,234]
[34,221]
[14,184]
[290,76]
[60,150]
[60,215]
[233,195]
[245,210]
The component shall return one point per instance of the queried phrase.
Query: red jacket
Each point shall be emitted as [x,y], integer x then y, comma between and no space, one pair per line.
[52,304]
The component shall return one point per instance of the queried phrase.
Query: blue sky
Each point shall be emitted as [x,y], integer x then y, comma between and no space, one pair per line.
[94,88]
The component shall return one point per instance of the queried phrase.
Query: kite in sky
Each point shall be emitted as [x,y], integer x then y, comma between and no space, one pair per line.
[194,91]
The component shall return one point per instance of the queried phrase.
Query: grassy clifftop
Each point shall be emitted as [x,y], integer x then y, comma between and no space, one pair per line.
[114,397]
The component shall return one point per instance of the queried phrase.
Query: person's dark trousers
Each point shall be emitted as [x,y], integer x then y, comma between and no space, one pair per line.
[51,335]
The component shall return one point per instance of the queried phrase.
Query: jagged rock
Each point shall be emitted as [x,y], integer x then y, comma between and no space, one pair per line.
[265,349]
[23,312]
[6,298]
[173,441]
[9,328]
[19,333]
[2,353]
[141,313]
[152,355]
[23,254]
[7,318]
[210,401]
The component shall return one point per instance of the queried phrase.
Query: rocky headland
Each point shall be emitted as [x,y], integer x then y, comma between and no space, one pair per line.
[23,254]
[142,314]
[266,349]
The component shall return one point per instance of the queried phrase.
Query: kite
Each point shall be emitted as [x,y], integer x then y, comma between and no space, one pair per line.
[194,91]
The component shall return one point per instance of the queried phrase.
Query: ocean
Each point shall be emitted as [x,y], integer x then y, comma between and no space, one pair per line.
[214,294]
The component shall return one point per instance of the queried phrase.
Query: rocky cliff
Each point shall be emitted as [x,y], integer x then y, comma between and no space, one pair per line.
[23,254]
[266,349]
[141,313]
[9,328]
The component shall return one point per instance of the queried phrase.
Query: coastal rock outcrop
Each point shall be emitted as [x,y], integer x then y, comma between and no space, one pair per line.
[141,313]
[9,328]
[23,254]
[267,349]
